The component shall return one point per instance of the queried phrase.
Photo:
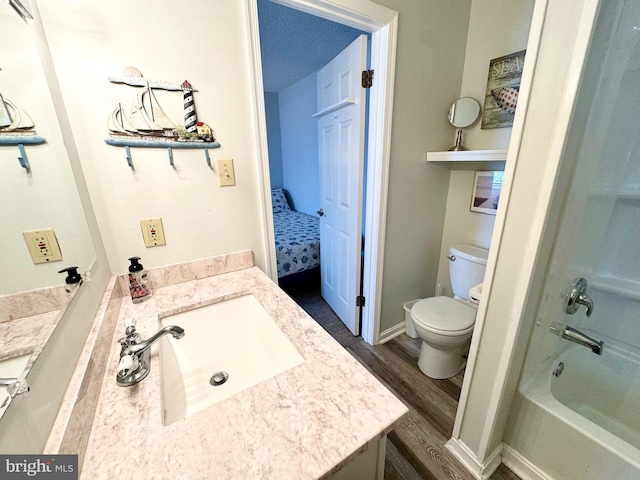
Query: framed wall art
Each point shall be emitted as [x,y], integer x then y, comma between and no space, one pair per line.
[486,192]
[503,88]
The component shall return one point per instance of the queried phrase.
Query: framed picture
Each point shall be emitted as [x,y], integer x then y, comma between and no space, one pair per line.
[503,88]
[486,192]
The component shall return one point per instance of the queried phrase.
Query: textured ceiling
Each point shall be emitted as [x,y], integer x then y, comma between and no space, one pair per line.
[295,44]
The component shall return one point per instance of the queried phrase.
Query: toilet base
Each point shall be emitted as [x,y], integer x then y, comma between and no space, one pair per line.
[440,364]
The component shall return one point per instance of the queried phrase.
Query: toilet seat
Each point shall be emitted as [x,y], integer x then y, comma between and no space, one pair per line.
[444,316]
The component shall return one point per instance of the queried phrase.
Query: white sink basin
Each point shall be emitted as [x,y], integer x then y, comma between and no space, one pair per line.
[235,336]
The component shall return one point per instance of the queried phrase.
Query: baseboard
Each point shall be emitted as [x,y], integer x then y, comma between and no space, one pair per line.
[479,470]
[392,332]
[522,466]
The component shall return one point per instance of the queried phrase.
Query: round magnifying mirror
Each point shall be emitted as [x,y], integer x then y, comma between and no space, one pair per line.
[463,113]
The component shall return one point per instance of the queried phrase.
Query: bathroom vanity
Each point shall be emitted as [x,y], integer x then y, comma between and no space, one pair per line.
[326,417]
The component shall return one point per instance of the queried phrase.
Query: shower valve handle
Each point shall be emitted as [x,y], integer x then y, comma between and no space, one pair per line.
[578,296]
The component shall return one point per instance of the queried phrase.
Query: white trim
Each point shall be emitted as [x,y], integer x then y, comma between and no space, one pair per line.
[392,332]
[361,14]
[383,61]
[382,23]
[498,404]
[479,470]
[533,47]
[336,106]
[521,466]
[260,131]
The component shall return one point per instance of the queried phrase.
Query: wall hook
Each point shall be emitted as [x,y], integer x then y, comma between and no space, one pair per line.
[206,155]
[128,154]
[170,150]
[23,159]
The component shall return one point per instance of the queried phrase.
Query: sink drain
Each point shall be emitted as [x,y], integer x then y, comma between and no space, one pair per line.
[219,378]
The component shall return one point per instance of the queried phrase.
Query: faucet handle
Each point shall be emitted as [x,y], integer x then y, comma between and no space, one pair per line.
[128,364]
[130,322]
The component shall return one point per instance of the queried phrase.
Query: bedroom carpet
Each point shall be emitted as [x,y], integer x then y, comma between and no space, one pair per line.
[306,293]
[415,448]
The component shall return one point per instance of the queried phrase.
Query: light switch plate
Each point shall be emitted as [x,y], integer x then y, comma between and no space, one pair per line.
[226,175]
[43,245]
[153,232]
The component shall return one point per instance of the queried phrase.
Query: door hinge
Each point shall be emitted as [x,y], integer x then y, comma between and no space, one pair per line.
[367,78]
[360,301]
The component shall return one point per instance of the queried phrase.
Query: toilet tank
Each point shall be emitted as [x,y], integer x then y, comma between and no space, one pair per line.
[466,268]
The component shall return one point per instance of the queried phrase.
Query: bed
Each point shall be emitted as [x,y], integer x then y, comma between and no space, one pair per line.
[297,237]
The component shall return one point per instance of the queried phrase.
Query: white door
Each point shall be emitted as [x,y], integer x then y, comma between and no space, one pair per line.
[341,157]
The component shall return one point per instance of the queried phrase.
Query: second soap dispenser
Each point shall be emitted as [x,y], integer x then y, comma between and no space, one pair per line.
[139,285]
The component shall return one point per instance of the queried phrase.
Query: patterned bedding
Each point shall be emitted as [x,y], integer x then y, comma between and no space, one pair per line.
[297,242]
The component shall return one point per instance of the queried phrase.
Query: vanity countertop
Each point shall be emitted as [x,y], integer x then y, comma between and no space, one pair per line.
[304,423]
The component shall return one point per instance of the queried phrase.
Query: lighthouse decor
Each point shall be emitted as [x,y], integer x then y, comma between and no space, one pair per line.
[193,130]
[146,124]
[189,108]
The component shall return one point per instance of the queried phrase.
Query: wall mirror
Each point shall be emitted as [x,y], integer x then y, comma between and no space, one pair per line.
[33,297]
[463,113]
[486,192]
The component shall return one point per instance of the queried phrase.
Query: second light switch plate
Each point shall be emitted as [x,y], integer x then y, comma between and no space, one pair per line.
[226,175]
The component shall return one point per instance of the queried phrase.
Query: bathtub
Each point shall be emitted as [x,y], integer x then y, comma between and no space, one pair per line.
[590,410]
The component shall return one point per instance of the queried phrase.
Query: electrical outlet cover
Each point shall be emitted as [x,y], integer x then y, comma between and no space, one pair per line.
[43,245]
[153,232]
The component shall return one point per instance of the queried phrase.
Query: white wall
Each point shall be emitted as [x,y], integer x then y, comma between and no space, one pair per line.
[299,140]
[272,112]
[431,41]
[93,40]
[496,28]
[45,197]
[490,36]
[517,266]
[204,43]
[462,226]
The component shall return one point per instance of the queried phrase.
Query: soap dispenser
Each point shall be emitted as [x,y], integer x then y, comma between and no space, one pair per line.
[139,285]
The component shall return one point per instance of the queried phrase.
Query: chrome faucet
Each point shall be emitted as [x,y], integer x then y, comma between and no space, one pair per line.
[134,363]
[15,386]
[576,336]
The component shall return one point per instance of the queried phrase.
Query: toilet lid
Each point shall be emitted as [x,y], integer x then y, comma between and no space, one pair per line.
[444,313]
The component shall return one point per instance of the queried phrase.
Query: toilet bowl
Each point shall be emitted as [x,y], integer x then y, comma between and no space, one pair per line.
[445,324]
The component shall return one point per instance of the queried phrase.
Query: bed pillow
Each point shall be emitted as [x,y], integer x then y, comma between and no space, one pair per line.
[279,201]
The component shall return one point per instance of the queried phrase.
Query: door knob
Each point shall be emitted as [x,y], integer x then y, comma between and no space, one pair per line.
[320,212]
[578,296]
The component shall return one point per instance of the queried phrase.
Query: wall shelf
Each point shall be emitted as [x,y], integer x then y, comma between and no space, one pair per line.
[20,141]
[468,156]
[155,142]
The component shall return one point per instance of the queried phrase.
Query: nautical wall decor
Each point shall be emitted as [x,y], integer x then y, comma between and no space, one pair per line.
[503,88]
[17,128]
[145,124]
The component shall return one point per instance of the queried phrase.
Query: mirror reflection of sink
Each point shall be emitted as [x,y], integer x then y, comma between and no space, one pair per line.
[237,337]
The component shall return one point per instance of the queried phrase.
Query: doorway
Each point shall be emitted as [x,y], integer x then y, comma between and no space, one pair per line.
[381,24]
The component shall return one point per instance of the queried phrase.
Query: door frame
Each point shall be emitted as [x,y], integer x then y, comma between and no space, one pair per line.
[382,23]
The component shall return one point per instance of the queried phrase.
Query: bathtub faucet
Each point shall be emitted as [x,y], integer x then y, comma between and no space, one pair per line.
[580,338]
[134,354]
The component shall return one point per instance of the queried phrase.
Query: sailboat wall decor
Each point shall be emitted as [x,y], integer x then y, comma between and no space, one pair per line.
[17,128]
[145,124]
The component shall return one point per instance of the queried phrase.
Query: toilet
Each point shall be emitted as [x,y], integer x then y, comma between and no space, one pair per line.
[445,324]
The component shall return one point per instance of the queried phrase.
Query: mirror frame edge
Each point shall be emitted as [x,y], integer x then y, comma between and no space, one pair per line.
[27,422]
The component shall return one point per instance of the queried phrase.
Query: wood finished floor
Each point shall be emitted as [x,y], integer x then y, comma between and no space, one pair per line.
[415,448]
